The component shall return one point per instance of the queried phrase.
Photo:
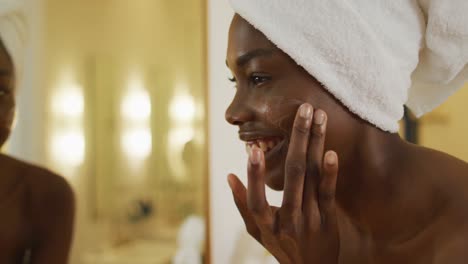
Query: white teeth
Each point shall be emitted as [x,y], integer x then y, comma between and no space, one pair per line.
[263,146]
[248,148]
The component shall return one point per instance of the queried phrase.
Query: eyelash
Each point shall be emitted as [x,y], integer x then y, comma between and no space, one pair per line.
[258,80]
[254,79]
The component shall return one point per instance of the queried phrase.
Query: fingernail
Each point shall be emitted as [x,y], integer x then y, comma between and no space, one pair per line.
[330,159]
[319,117]
[255,155]
[305,111]
[229,179]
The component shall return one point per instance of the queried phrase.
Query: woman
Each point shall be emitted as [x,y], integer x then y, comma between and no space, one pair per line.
[36,206]
[320,87]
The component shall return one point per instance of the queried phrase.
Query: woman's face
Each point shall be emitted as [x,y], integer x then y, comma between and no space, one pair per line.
[270,87]
[7,95]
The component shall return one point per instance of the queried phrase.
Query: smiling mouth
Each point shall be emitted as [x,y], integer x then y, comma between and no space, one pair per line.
[267,145]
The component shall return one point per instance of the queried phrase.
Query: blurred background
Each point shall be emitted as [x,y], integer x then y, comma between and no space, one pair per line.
[127,99]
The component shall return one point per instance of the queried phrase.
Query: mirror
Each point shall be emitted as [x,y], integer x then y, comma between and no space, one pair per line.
[120,110]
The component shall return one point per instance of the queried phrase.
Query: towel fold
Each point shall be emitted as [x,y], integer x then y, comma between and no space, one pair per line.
[374,56]
[13,32]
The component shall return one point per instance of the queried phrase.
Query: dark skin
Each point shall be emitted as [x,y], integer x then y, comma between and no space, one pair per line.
[352,192]
[36,205]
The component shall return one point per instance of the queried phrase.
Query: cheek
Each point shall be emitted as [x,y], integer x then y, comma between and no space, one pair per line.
[6,121]
[7,112]
[4,134]
[280,112]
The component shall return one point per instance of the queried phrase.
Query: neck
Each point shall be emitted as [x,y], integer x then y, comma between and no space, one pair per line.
[372,189]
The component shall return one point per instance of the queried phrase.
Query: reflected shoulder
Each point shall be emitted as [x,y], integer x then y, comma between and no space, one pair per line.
[43,186]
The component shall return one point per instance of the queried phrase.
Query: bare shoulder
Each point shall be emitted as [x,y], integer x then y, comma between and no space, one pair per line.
[47,185]
[441,168]
[448,176]
[51,195]
[52,205]
[453,250]
[44,188]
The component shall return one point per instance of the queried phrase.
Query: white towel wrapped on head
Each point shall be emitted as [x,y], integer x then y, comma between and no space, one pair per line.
[365,51]
[13,31]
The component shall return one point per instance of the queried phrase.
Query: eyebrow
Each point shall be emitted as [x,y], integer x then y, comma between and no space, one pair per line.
[245,58]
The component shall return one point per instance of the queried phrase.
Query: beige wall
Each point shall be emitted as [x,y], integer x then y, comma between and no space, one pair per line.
[97,44]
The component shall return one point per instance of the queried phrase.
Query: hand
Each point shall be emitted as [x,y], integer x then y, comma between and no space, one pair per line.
[304,229]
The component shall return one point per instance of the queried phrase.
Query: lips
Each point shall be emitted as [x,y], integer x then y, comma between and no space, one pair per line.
[274,144]
[266,144]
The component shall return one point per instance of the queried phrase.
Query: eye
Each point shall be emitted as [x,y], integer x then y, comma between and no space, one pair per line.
[259,79]
[3,91]
[234,81]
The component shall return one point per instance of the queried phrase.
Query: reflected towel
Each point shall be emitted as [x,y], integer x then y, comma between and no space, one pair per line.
[13,31]
[365,52]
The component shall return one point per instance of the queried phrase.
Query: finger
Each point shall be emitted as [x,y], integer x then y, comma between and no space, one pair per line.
[256,198]
[296,162]
[315,158]
[327,190]
[240,198]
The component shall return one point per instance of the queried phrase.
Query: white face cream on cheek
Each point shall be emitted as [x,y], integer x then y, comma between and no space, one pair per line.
[280,112]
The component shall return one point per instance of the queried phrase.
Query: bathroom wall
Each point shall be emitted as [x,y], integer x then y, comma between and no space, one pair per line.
[30,93]
[226,152]
[446,128]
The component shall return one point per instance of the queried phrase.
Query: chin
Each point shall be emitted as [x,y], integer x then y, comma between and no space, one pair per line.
[275,178]
[4,134]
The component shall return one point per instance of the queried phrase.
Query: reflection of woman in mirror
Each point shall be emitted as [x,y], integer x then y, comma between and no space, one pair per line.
[320,87]
[36,206]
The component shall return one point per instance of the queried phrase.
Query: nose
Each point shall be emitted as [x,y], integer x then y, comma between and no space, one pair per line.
[239,111]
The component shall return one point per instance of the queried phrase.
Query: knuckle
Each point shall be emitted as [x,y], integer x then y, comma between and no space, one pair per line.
[311,222]
[251,230]
[291,210]
[295,169]
[314,167]
[286,232]
[289,215]
[327,196]
[289,223]
[318,132]
[257,211]
[260,215]
[312,226]
[301,128]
